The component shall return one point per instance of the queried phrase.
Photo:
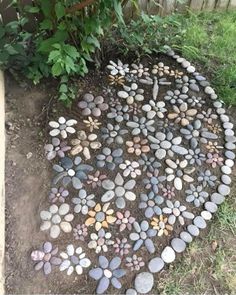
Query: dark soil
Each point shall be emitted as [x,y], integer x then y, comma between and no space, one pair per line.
[28,181]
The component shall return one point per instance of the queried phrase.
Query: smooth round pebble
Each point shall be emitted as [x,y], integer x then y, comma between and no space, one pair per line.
[178,245]
[156,264]
[186,237]
[200,222]
[168,254]
[193,230]
[143,282]
[224,189]
[206,215]
[131,292]
[226,179]
[217,198]
[226,169]
[211,207]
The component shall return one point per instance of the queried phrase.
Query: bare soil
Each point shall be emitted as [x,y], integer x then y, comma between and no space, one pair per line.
[28,181]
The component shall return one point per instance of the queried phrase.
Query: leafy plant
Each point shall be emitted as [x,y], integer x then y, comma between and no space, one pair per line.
[66,37]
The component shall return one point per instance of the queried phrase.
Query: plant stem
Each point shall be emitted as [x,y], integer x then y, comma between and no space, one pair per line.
[80,6]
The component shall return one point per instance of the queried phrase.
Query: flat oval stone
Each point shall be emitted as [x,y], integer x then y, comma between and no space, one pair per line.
[224,189]
[186,237]
[226,179]
[178,245]
[156,264]
[229,163]
[131,292]
[143,282]
[211,207]
[230,155]
[217,198]
[200,222]
[226,170]
[206,215]
[122,94]
[193,230]
[168,254]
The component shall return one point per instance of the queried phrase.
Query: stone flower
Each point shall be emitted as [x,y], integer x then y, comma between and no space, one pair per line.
[109,91]
[74,260]
[100,216]
[116,80]
[80,232]
[83,202]
[71,171]
[62,127]
[206,178]
[195,157]
[166,125]
[96,179]
[160,69]
[130,169]
[207,116]
[161,225]
[113,134]
[118,68]
[182,114]
[214,160]
[131,93]
[106,273]
[196,195]
[139,70]
[138,146]
[119,113]
[46,258]
[151,203]
[155,108]
[58,195]
[176,73]
[215,128]
[148,163]
[56,219]
[100,241]
[213,147]
[122,246]
[153,181]
[119,189]
[175,97]
[184,84]
[142,236]
[177,171]
[141,125]
[134,262]
[83,143]
[131,78]
[194,101]
[92,124]
[124,220]
[192,133]
[164,144]
[56,148]
[91,105]
[176,211]
[109,158]
[168,191]
[135,109]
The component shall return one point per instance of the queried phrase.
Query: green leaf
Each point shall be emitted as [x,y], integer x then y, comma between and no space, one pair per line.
[118,11]
[60,10]
[2,31]
[56,69]
[54,55]
[46,24]
[31,9]
[93,40]
[63,97]
[63,88]
[71,51]
[10,49]
[69,64]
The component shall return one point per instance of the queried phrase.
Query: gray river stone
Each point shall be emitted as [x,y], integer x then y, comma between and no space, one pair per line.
[156,264]
[144,282]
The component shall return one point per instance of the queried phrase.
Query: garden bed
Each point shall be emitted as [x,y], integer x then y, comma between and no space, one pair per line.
[28,182]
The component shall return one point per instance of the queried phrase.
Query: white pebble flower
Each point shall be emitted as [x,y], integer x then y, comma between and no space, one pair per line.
[100,241]
[56,219]
[83,202]
[74,260]
[155,108]
[118,68]
[62,127]
[130,168]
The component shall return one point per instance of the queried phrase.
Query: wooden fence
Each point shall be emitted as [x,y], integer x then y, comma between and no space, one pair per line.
[160,7]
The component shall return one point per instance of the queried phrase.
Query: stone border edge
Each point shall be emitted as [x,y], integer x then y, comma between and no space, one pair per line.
[2,182]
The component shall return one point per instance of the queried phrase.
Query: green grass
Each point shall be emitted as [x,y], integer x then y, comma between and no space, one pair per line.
[213,36]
